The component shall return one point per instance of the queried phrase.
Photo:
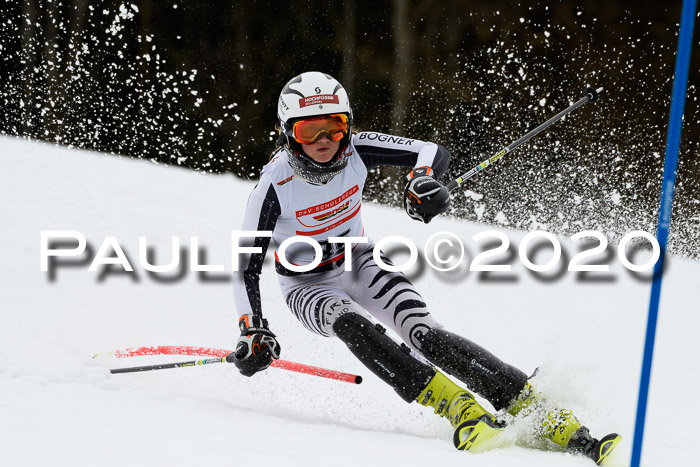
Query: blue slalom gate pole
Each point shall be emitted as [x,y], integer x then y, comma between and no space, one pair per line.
[673,138]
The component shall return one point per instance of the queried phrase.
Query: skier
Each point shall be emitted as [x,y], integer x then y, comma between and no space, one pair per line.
[313,187]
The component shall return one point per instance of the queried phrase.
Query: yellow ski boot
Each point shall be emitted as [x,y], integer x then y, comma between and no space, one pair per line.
[472,423]
[563,428]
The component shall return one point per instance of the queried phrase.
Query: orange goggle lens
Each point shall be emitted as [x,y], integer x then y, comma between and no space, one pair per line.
[310,130]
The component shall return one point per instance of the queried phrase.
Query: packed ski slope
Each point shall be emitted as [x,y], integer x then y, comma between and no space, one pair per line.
[59,406]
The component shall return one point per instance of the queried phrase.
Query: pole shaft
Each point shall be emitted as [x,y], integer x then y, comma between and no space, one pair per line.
[164,366]
[548,123]
[673,138]
[314,370]
[591,96]
[220,353]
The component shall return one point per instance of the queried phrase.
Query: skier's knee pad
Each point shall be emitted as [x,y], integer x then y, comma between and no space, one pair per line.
[485,374]
[391,362]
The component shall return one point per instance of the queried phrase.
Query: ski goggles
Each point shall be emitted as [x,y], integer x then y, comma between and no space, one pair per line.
[309,130]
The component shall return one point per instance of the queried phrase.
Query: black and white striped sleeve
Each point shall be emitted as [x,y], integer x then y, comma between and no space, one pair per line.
[377,149]
[261,214]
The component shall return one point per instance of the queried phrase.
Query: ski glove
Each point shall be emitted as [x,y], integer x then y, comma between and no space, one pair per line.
[424,197]
[255,348]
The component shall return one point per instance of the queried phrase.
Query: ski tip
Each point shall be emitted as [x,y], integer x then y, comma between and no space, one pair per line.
[605,446]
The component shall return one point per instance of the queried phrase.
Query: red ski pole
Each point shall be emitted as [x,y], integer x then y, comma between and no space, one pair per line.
[314,370]
[219,355]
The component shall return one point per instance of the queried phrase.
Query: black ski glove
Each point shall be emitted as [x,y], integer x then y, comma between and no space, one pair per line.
[424,197]
[255,348]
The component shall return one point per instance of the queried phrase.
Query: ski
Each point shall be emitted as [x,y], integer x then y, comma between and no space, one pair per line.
[602,449]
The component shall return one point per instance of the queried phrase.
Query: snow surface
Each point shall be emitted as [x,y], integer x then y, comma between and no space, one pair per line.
[59,406]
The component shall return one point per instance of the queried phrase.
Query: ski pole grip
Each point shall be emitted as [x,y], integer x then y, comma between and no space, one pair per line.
[452,185]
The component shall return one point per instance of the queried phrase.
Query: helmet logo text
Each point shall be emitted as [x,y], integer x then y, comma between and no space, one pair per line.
[320,99]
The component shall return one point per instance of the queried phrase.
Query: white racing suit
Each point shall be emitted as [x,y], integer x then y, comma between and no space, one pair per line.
[318,299]
[288,207]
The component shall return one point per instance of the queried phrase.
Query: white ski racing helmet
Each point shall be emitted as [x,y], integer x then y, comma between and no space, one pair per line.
[307,95]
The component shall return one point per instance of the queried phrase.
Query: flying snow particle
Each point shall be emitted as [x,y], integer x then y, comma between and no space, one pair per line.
[472,195]
[501,218]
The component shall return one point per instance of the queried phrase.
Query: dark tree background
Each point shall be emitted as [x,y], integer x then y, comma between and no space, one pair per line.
[195,84]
